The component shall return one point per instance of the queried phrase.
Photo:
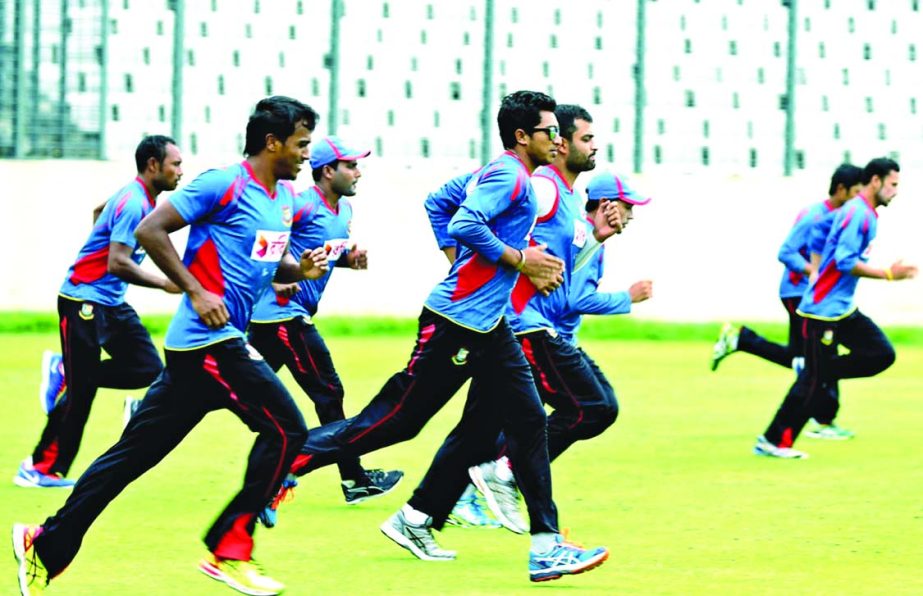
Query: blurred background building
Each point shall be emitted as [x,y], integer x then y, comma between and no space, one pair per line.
[728,85]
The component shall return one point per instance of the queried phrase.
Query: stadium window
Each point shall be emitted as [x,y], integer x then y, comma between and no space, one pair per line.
[554,41]
[882,132]
[802,78]
[610,152]
[799,160]
[549,90]
[851,25]
[345,119]
[557,16]
[125,4]
[887,77]
[509,40]
[194,143]
[845,76]
[113,26]
[385,10]
[676,72]
[423,38]
[390,117]
[235,58]
[502,89]
[455,90]
[735,100]
[824,103]
[466,38]
[424,147]
[429,12]
[413,63]
[749,129]
[616,125]
[599,19]
[214,5]
[379,147]
[248,31]
[256,6]
[299,7]
[161,113]
[682,22]
[836,131]
[690,98]
[753,157]
[268,84]
[893,26]
[315,87]
[208,114]
[115,112]
[436,119]
[203,29]
[871,4]
[370,62]
[760,75]
[807,24]
[472,14]
[503,67]
[514,15]
[597,96]
[291,32]
[81,81]
[866,51]
[732,48]
[599,42]
[472,149]
[847,156]
[281,59]
[658,154]
[158,27]
[129,84]
[915,5]
[661,127]
[719,74]
[545,69]
[783,102]
[220,85]
[913,105]
[379,36]
[724,22]
[827,4]
[589,71]
[821,50]
[706,129]
[458,66]
[869,106]
[777,49]
[687,46]
[408,89]
[706,157]
[190,57]
[146,55]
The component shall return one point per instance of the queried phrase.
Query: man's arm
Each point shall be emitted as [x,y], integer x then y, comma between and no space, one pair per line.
[897,271]
[312,264]
[123,266]
[153,233]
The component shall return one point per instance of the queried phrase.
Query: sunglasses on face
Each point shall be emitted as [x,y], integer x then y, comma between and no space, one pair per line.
[553,132]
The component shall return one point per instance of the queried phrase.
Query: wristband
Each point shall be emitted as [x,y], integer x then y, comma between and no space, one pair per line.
[522,261]
[889,275]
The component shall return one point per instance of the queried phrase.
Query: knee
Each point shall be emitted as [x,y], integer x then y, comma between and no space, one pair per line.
[886,357]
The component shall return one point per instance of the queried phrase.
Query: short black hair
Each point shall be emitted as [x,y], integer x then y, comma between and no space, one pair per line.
[152,146]
[521,110]
[881,167]
[567,115]
[846,174]
[316,173]
[279,116]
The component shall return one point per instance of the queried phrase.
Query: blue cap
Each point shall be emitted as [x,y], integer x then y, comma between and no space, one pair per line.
[331,149]
[615,188]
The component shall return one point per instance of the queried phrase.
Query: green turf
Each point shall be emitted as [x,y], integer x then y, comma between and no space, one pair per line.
[672,489]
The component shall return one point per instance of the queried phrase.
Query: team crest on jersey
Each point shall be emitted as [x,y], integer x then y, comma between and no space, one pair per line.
[827,338]
[461,357]
[86,311]
[335,247]
[269,246]
[287,216]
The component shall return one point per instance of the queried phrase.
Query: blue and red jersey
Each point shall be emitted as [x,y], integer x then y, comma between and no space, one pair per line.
[239,231]
[795,252]
[584,297]
[89,277]
[499,210]
[561,225]
[442,204]
[831,295]
[315,223]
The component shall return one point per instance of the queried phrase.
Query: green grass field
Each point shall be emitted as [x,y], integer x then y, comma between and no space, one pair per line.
[672,489]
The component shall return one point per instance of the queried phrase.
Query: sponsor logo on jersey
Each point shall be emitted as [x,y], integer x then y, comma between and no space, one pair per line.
[269,246]
[579,233]
[335,247]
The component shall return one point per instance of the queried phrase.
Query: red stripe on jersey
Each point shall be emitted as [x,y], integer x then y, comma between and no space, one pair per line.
[91,267]
[472,276]
[826,281]
[234,190]
[523,291]
[122,200]
[206,267]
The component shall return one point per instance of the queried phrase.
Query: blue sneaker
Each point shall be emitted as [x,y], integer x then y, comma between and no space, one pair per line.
[471,512]
[29,477]
[270,515]
[564,558]
[53,386]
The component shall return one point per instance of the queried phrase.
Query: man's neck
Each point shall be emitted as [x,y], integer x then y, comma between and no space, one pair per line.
[263,171]
[333,199]
[148,183]
[525,158]
[561,166]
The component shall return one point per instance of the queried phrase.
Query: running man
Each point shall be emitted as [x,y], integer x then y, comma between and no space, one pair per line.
[240,218]
[94,317]
[832,318]
[811,227]
[281,328]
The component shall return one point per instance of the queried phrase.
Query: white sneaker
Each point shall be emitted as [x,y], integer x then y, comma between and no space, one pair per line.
[726,344]
[767,449]
[418,539]
[797,365]
[502,496]
[128,410]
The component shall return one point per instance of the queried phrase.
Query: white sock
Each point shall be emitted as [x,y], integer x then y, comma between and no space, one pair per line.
[417,518]
[543,542]
[503,470]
